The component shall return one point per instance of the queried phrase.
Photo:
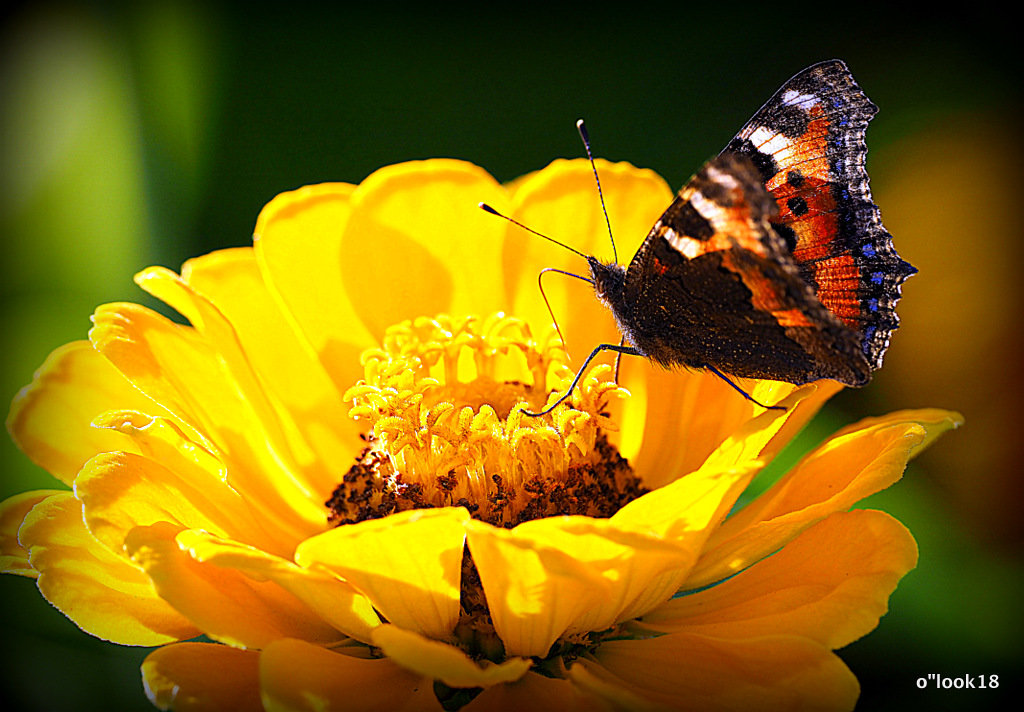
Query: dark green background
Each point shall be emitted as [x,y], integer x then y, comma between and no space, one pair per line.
[142,133]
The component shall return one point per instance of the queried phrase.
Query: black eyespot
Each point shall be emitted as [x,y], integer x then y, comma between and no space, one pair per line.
[797,206]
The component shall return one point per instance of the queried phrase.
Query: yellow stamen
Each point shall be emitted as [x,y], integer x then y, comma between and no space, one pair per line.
[443,400]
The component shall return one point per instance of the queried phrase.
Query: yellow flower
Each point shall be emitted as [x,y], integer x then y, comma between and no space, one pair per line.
[328,474]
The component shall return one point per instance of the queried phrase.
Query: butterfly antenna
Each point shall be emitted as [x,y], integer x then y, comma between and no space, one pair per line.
[488,209]
[540,286]
[581,127]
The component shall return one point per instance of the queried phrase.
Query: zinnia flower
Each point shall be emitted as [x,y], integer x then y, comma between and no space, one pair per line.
[328,480]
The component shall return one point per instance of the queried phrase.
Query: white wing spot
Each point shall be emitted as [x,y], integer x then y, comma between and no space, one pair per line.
[686,246]
[769,142]
[795,98]
[722,178]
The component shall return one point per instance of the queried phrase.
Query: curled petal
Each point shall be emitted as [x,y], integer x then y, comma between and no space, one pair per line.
[13,510]
[297,676]
[50,418]
[178,366]
[857,462]
[227,604]
[286,364]
[335,602]
[103,593]
[120,491]
[439,661]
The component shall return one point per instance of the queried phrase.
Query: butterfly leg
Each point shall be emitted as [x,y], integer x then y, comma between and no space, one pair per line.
[618,357]
[740,390]
[619,348]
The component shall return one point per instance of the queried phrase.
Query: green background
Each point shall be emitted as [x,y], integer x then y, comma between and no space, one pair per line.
[148,133]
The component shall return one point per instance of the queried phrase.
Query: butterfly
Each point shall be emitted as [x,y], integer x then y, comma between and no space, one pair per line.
[772,261]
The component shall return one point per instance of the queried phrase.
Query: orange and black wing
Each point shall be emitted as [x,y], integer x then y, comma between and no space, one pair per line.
[714,284]
[808,145]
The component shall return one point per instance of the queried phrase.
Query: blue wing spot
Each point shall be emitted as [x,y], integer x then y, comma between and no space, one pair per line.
[877,277]
[873,304]
[868,251]
[869,334]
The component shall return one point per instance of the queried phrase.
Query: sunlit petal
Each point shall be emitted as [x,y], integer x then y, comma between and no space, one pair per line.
[178,367]
[13,510]
[50,418]
[416,236]
[550,577]
[408,565]
[225,603]
[103,593]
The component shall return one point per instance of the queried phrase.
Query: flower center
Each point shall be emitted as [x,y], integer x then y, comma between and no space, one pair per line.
[443,400]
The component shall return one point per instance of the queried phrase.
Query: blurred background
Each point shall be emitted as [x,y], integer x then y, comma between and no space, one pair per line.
[150,132]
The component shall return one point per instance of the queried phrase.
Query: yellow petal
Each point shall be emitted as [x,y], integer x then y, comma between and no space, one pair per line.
[675,420]
[297,676]
[563,575]
[752,439]
[225,603]
[282,435]
[179,368]
[408,564]
[415,239]
[13,510]
[121,490]
[693,672]
[830,584]
[286,364]
[859,461]
[685,510]
[102,593]
[561,201]
[49,419]
[180,677]
[439,661]
[298,245]
[330,599]
[935,421]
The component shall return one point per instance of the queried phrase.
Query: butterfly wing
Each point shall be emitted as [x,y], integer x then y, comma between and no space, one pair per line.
[715,284]
[808,145]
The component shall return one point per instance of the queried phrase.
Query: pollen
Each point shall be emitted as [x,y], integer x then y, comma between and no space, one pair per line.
[443,402]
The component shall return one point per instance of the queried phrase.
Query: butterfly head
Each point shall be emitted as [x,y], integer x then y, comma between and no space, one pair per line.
[609,280]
